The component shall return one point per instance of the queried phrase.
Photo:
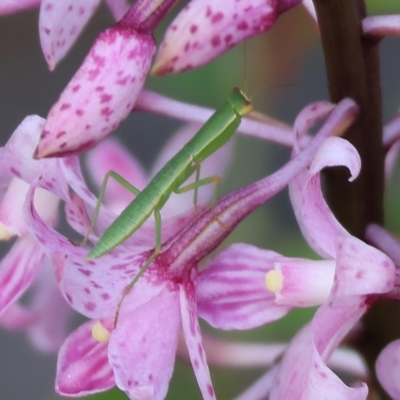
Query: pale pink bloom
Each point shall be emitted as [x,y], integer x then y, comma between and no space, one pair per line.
[381,25]
[25,260]
[204,29]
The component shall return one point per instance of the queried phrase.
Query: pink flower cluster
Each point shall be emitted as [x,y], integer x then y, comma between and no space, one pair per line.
[132,344]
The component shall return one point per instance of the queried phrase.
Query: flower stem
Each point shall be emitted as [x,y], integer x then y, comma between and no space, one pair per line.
[352,65]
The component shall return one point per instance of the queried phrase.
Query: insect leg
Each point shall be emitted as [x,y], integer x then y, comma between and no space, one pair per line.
[118,178]
[157,250]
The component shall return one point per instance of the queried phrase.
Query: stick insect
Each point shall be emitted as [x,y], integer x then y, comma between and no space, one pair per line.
[211,136]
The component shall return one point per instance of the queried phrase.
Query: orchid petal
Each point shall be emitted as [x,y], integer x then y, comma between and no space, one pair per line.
[78,277]
[82,366]
[60,23]
[17,269]
[13,6]
[304,376]
[385,241]
[191,330]
[118,8]
[205,29]
[112,156]
[51,311]
[318,224]
[21,146]
[100,95]
[231,291]
[381,25]
[387,369]
[143,345]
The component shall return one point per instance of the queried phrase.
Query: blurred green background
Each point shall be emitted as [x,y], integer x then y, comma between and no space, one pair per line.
[282,71]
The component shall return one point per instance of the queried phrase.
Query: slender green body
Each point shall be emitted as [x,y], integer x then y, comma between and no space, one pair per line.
[211,136]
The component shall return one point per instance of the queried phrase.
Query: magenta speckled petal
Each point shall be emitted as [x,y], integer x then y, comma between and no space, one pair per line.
[60,23]
[100,95]
[205,29]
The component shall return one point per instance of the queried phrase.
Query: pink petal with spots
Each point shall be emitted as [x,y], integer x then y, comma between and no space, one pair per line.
[18,269]
[205,29]
[388,369]
[118,8]
[13,6]
[93,287]
[60,23]
[143,345]
[231,290]
[191,330]
[21,146]
[110,155]
[318,224]
[82,366]
[100,95]
[215,165]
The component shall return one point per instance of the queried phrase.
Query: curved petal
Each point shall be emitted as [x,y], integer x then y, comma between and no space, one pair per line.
[21,146]
[92,287]
[100,95]
[388,369]
[143,345]
[303,375]
[191,330]
[60,23]
[82,366]
[317,222]
[18,269]
[205,29]
[231,291]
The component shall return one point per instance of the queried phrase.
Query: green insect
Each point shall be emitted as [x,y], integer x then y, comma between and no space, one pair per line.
[211,136]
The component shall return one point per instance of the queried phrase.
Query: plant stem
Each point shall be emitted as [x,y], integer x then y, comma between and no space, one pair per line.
[352,63]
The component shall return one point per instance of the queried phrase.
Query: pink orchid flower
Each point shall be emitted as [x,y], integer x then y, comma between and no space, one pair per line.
[61,22]
[104,89]
[205,29]
[103,352]
[354,273]
[157,303]
[22,268]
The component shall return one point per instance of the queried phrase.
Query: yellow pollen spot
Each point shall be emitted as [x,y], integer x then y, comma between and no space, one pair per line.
[4,233]
[100,333]
[274,281]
